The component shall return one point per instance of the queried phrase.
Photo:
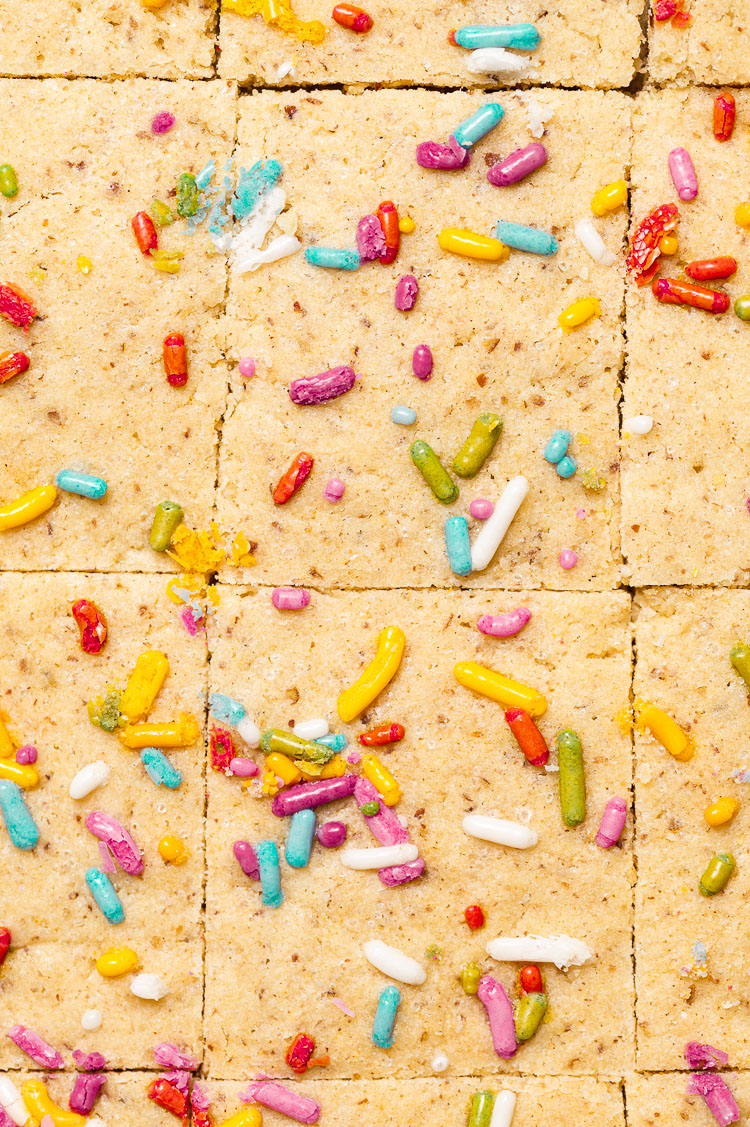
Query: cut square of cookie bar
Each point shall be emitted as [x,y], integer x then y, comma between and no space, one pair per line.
[77,199]
[447,765]
[391,1103]
[109,411]
[499,345]
[580,46]
[121,1102]
[663,1099]
[684,485]
[106,41]
[713,50]
[693,979]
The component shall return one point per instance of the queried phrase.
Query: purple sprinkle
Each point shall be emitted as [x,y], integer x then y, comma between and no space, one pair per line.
[407,289]
[334,490]
[331,834]
[705,1056]
[26,754]
[247,367]
[447,158]
[401,874]
[504,625]
[244,768]
[370,238]
[162,122]
[306,796]
[568,558]
[719,1100]
[481,508]
[518,165]
[89,1062]
[248,859]
[326,385]
[421,366]
[32,1044]
[169,1056]
[86,1091]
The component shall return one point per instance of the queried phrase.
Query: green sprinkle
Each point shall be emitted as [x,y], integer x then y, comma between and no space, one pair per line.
[188,200]
[434,472]
[8,181]
[591,480]
[167,519]
[571,778]
[480,1112]
[717,872]
[370,809]
[277,739]
[478,446]
[531,1009]
[739,655]
[161,213]
[105,712]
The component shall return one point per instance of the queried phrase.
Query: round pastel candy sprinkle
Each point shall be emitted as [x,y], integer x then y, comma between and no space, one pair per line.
[334,490]
[331,834]
[481,508]
[580,513]
[26,754]
[243,767]
[638,424]
[405,416]
[162,122]
[568,558]
[247,367]
[440,1062]
[91,1020]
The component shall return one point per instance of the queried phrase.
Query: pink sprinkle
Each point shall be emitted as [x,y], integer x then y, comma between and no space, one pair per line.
[612,823]
[290,598]
[343,1007]
[421,366]
[354,758]
[334,490]
[568,558]
[581,513]
[169,1056]
[247,858]
[26,754]
[384,825]
[370,238]
[247,367]
[431,154]
[491,994]
[401,874]
[35,1047]
[481,508]
[124,849]
[705,1056]
[504,625]
[281,1099]
[108,865]
[199,1098]
[683,174]
[748,504]
[189,621]
[162,122]
[331,834]
[89,1062]
[407,289]
[719,1100]
[243,767]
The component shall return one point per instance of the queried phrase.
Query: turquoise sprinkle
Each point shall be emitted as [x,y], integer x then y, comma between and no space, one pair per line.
[526,238]
[300,838]
[270,877]
[557,447]
[385,1017]
[18,821]
[457,545]
[159,769]
[107,900]
[566,467]
[84,484]
[252,185]
[480,123]
[336,740]
[520,35]
[204,177]
[226,710]
[405,416]
[333,258]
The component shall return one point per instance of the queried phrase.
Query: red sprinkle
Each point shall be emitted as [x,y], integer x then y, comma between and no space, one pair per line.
[530,740]
[707,268]
[92,624]
[474,917]
[643,255]
[388,217]
[664,10]
[531,980]
[12,364]
[672,291]
[5,938]
[145,232]
[682,19]
[299,1053]
[725,112]
[175,360]
[347,15]
[16,306]
[452,37]
[167,1096]
[221,748]
[294,478]
[382,735]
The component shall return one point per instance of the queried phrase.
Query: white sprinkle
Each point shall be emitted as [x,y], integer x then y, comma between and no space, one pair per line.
[589,237]
[440,1062]
[149,986]
[89,778]
[284,69]
[500,830]
[91,1020]
[394,963]
[279,248]
[638,424]
[381,858]
[502,1109]
[312,729]
[496,60]
[11,1102]
[257,223]
[491,535]
[561,950]
[248,731]
[537,115]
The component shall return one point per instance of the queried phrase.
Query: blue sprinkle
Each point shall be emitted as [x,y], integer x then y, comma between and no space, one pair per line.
[105,896]
[523,36]
[299,840]
[566,467]
[480,123]
[21,826]
[336,740]
[405,416]
[225,709]
[557,447]
[457,545]
[385,1017]
[333,258]
[84,484]
[252,185]
[530,239]
[204,177]
[159,769]
[270,877]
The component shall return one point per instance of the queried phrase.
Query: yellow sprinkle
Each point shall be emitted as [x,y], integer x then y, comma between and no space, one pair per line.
[668,244]
[471,245]
[178,733]
[504,690]
[241,555]
[333,769]
[666,730]
[279,15]
[37,275]
[35,1096]
[406,225]
[23,774]
[742,215]
[270,784]
[379,673]
[721,811]
[197,552]
[7,747]
[27,507]
[183,588]
[579,313]
[610,197]
[143,685]
[250,1117]
[116,962]
[282,765]
[173,849]
[381,778]
[83,264]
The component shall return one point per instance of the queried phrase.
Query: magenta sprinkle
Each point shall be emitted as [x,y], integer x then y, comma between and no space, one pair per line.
[331,834]
[447,158]
[421,366]
[89,1062]
[162,122]
[518,165]
[199,1098]
[491,994]
[568,558]
[481,508]
[407,289]
[384,825]
[169,1056]
[612,824]
[290,598]
[354,757]
[326,385]
[719,1100]
[280,1099]
[32,1044]
[402,874]
[6,1121]
[243,768]
[247,367]
[683,175]
[26,754]
[334,490]
[189,621]
[124,849]
[370,238]
[305,796]
[86,1092]
[180,1079]
[504,625]
[248,859]
[705,1056]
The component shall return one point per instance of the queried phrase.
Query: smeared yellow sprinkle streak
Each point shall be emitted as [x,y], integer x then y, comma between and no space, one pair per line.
[280,15]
